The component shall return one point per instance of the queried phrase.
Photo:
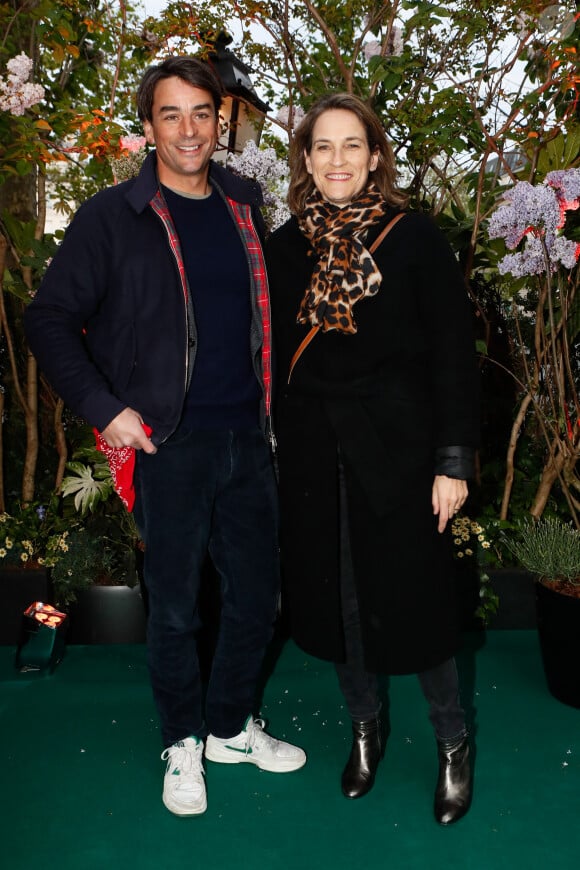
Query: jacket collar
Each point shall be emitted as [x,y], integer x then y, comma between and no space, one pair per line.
[146,185]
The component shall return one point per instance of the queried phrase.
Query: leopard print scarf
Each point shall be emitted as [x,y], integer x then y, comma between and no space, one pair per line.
[344,271]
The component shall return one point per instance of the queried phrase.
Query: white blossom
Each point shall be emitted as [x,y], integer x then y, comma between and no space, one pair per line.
[20,66]
[284,116]
[396,42]
[372,49]
[264,166]
[394,46]
[524,23]
[16,93]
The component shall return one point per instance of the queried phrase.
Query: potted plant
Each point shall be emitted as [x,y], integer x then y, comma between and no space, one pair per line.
[32,540]
[80,551]
[100,576]
[550,550]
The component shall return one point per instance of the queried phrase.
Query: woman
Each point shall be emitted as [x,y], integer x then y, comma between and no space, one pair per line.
[377,429]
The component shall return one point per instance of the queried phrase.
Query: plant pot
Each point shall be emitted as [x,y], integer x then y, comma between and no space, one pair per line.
[20,587]
[515,589]
[559,634]
[107,614]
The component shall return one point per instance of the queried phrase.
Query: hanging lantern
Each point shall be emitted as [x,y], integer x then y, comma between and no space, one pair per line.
[243,112]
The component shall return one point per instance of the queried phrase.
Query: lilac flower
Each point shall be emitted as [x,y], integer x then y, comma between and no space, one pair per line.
[530,261]
[568,180]
[566,183]
[372,49]
[20,66]
[566,251]
[264,166]
[536,214]
[525,24]
[260,164]
[396,42]
[527,207]
[284,116]
[16,93]
[394,46]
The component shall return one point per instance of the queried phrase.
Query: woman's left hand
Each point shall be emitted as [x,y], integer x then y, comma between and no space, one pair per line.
[448,497]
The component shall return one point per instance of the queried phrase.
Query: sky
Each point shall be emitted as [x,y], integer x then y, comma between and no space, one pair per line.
[153,7]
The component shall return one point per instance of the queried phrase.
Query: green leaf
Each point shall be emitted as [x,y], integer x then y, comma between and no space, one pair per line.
[88,489]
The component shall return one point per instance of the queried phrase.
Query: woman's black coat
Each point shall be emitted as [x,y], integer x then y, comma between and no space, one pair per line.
[404,385]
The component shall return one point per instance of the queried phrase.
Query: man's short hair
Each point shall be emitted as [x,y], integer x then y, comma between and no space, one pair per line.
[193,70]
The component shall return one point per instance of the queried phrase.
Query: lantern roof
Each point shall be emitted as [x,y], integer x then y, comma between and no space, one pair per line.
[234,74]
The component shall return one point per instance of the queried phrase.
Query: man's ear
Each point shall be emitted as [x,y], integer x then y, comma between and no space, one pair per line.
[148,130]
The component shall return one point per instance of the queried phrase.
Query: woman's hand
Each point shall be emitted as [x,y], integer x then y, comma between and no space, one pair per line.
[448,497]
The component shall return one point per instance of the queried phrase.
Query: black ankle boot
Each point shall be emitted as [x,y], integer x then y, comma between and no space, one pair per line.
[455,783]
[359,774]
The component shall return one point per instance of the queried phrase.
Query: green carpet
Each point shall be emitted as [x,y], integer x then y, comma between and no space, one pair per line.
[81,774]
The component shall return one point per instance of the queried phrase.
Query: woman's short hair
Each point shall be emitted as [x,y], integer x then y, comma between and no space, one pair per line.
[193,70]
[384,176]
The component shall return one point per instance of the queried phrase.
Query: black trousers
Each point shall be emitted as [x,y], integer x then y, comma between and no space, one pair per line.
[208,492]
[360,688]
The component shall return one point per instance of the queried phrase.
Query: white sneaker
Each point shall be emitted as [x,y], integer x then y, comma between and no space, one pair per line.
[253,745]
[183,784]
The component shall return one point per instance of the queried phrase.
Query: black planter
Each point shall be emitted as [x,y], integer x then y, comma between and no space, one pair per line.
[19,587]
[559,633]
[515,589]
[107,614]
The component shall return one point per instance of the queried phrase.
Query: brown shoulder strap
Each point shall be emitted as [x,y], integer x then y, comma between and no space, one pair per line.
[312,332]
[301,348]
[385,232]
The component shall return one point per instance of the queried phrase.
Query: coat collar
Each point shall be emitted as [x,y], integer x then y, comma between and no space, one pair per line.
[145,186]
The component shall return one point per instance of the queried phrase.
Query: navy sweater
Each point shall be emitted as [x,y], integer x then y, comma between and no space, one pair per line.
[224,391]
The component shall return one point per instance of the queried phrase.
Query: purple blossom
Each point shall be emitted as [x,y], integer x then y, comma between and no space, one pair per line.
[530,261]
[527,206]
[566,183]
[260,164]
[566,251]
[536,214]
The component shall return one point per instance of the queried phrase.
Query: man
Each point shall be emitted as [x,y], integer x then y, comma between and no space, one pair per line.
[152,322]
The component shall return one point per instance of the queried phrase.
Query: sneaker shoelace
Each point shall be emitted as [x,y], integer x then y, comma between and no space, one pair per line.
[257,737]
[187,762]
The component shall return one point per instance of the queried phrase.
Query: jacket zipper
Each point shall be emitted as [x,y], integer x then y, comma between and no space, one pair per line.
[188,323]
